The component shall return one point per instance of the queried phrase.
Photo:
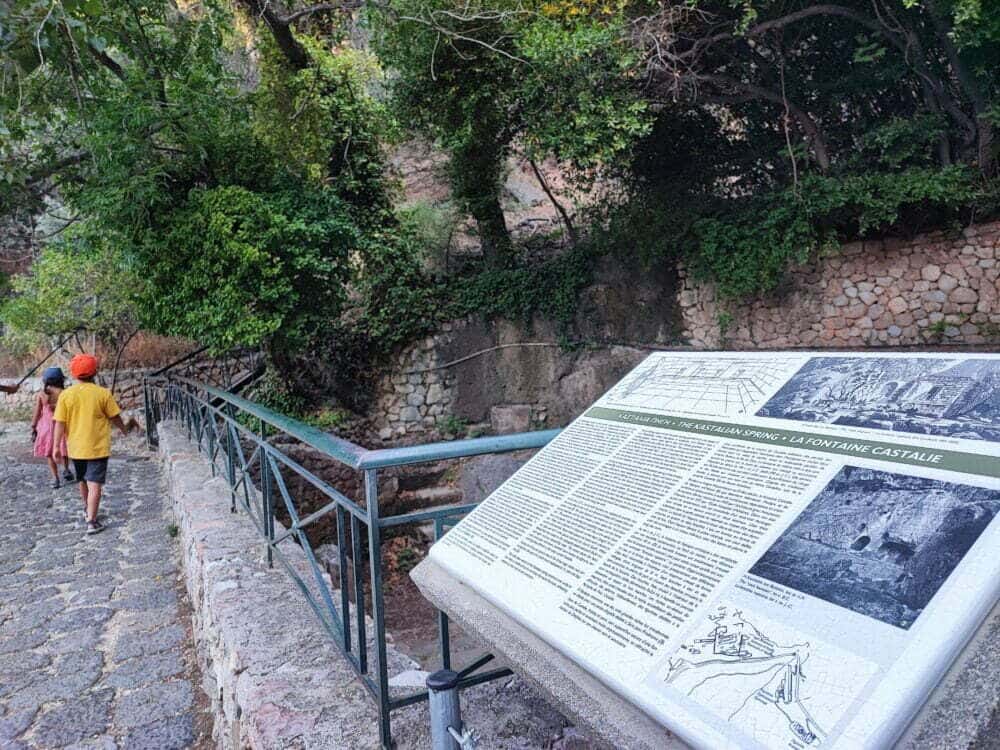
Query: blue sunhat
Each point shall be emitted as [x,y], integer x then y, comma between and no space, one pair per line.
[54,376]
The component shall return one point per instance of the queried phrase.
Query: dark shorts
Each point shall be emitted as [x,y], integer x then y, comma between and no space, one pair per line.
[91,470]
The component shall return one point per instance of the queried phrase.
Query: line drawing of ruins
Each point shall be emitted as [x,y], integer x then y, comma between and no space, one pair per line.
[778,687]
[953,397]
[712,387]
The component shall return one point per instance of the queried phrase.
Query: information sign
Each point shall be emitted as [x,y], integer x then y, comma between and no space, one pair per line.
[774,550]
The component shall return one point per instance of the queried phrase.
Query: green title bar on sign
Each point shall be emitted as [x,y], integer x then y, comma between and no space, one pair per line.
[967,463]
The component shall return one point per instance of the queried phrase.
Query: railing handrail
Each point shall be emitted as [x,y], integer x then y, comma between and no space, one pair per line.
[179,361]
[342,450]
[257,484]
[445,449]
[357,456]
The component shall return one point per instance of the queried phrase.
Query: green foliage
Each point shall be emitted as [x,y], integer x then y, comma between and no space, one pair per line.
[237,267]
[901,142]
[550,289]
[580,103]
[747,252]
[77,283]
[322,122]
[453,426]
[430,227]
[328,419]
[725,321]
[402,302]
[240,212]
[274,392]
[557,79]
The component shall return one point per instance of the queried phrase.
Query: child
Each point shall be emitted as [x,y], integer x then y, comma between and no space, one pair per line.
[42,427]
[85,413]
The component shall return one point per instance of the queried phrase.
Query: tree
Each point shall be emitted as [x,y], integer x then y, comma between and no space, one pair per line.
[485,78]
[78,285]
[242,216]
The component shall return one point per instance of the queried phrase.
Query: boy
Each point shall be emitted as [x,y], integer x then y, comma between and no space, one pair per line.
[84,414]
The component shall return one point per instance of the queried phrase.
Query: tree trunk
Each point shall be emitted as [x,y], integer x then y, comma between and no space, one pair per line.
[498,249]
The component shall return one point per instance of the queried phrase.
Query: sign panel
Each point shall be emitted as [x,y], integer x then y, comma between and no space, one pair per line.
[774,550]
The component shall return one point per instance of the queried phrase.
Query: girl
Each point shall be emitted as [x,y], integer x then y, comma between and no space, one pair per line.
[53,382]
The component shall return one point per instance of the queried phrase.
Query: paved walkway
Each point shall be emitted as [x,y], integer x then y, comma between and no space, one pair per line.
[95,645]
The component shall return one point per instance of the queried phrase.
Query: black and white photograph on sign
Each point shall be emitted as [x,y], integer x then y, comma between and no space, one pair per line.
[699,385]
[780,687]
[930,396]
[879,543]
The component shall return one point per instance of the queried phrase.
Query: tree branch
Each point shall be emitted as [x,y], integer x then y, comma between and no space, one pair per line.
[281,31]
[558,206]
[324,8]
[809,128]
[107,61]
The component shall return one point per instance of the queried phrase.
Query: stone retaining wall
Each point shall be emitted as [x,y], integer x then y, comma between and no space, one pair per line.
[273,674]
[477,377]
[936,289]
[274,678]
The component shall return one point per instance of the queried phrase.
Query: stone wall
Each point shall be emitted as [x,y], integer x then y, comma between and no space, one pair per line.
[128,387]
[936,289]
[477,376]
[128,391]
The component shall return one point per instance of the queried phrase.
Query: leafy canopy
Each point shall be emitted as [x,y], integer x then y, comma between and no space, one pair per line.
[238,205]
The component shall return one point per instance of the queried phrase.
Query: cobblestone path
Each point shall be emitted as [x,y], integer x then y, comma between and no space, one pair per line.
[95,645]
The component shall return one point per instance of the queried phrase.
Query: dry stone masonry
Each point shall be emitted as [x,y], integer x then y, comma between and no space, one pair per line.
[416,396]
[932,290]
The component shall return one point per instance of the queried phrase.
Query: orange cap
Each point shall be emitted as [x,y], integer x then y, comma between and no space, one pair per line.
[83,366]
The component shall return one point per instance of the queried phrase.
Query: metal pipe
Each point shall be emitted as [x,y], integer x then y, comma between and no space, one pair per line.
[445,709]
[378,605]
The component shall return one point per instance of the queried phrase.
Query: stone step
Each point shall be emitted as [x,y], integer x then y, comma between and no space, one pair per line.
[429,497]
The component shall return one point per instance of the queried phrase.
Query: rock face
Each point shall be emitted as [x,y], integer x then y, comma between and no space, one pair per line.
[879,543]
[472,366]
[483,474]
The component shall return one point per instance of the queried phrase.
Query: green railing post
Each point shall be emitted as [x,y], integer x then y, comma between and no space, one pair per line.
[267,495]
[210,439]
[444,634]
[147,412]
[378,605]
[230,459]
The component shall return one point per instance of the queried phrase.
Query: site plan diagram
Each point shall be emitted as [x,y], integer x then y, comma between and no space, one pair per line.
[774,685]
[706,386]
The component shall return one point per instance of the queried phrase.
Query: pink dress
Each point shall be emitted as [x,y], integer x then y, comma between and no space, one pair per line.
[46,429]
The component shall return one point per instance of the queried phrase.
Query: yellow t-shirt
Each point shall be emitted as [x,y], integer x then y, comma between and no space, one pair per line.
[86,409]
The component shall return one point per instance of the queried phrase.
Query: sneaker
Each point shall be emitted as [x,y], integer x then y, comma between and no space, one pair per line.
[94,527]
[68,475]
[55,484]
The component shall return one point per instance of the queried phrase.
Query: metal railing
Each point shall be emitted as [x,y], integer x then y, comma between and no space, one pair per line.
[238,436]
